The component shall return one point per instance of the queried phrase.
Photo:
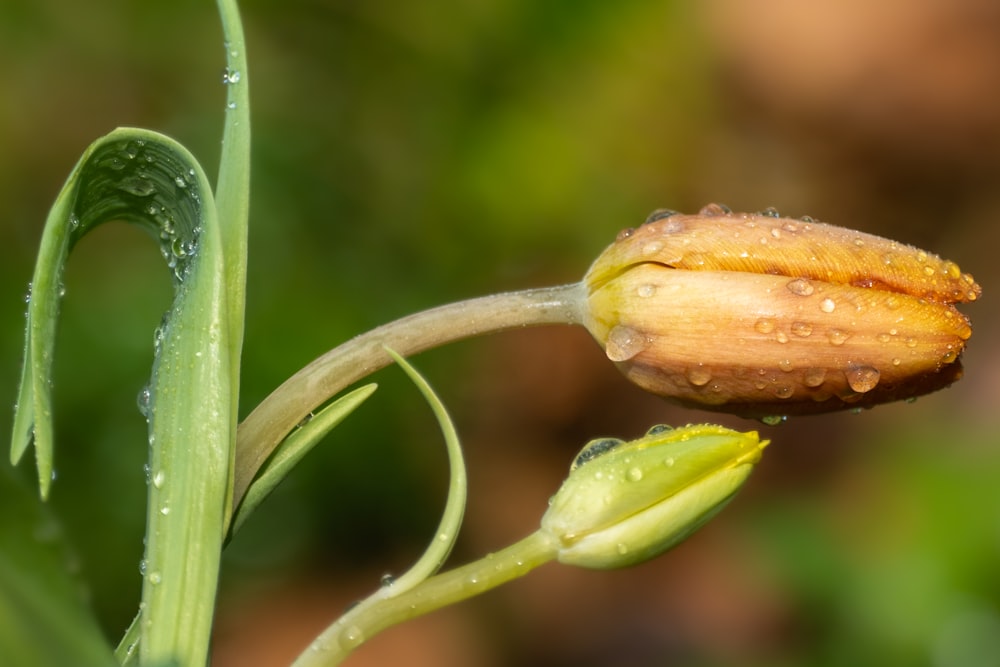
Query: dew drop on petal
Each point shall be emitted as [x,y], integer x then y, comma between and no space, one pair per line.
[837,336]
[784,391]
[862,378]
[774,420]
[699,376]
[800,287]
[624,343]
[802,329]
[814,377]
[595,448]
[827,305]
[764,325]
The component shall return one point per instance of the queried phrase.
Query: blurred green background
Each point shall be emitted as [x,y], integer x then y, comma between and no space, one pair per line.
[407,154]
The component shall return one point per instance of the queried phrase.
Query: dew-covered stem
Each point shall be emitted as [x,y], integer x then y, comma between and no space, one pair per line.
[383,609]
[344,365]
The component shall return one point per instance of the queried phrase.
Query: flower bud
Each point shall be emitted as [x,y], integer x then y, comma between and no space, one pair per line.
[625,502]
[760,315]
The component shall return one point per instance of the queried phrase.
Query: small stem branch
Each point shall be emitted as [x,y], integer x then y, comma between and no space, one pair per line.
[289,404]
[383,609]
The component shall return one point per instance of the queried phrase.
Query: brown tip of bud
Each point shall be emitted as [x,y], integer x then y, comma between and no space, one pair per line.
[761,315]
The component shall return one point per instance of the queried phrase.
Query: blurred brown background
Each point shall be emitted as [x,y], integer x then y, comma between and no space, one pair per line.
[409,154]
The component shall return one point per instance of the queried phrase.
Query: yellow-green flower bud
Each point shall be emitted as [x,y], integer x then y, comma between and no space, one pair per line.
[625,502]
[760,315]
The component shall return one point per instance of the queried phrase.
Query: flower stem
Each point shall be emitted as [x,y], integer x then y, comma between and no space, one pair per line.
[289,404]
[384,609]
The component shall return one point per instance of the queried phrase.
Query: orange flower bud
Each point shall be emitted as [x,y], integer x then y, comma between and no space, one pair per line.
[761,315]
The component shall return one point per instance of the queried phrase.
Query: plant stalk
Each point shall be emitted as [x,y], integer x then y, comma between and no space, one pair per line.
[383,609]
[290,403]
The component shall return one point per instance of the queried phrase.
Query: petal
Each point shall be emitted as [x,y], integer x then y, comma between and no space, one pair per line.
[715,239]
[759,345]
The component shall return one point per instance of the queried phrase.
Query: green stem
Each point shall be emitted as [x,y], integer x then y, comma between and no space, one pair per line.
[289,404]
[383,609]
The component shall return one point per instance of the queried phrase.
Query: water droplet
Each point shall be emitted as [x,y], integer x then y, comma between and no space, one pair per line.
[164,510]
[802,329]
[911,342]
[837,336]
[634,474]
[784,391]
[230,105]
[74,222]
[669,462]
[786,365]
[764,325]
[774,420]
[652,248]
[896,361]
[884,338]
[135,185]
[781,337]
[646,291]
[159,478]
[801,287]
[625,233]
[155,578]
[699,376]
[142,567]
[658,429]
[180,182]
[622,548]
[862,378]
[624,343]
[27,295]
[827,305]
[775,232]
[770,212]
[143,400]
[814,377]
[714,210]
[351,637]
[659,214]
[230,76]
[593,449]
[387,580]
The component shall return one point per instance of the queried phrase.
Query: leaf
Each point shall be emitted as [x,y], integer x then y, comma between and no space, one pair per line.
[293,448]
[148,179]
[44,619]
[451,519]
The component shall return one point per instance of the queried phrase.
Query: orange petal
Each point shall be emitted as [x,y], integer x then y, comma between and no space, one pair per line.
[716,239]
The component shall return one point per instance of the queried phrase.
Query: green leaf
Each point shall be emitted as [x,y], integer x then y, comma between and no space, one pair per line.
[294,447]
[451,519]
[232,194]
[148,179]
[44,619]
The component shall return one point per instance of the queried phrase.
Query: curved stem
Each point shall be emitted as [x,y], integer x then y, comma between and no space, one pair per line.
[344,365]
[383,609]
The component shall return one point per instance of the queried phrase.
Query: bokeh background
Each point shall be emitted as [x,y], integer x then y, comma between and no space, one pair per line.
[410,154]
